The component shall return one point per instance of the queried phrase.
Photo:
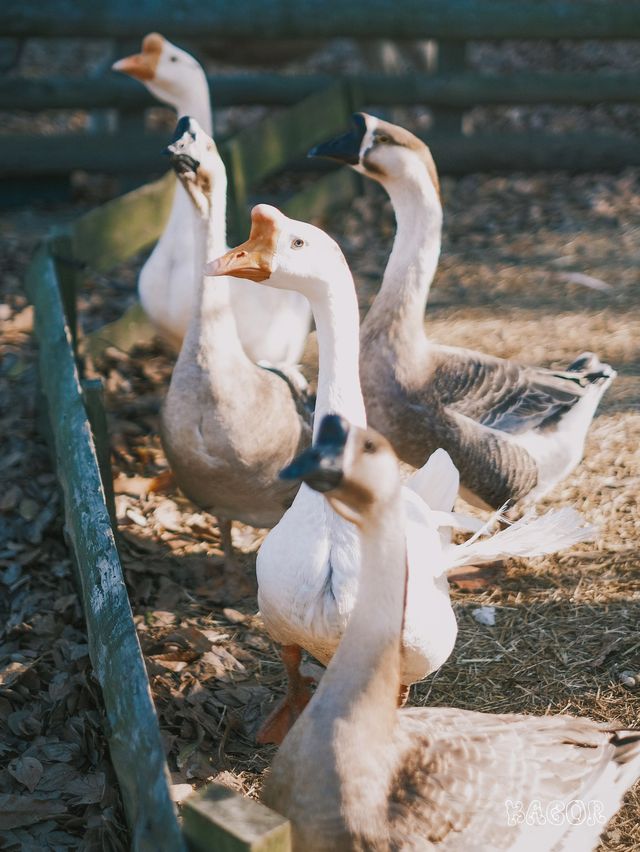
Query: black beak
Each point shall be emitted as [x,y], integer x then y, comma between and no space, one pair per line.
[182,164]
[345,148]
[321,466]
[183,134]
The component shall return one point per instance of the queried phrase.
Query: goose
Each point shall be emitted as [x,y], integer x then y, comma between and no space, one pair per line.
[227,424]
[308,565]
[512,431]
[273,326]
[357,773]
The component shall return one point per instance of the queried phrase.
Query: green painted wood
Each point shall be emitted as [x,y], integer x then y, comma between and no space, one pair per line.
[132,725]
[121,228]
[118,154]
[454,19]
[67,275]
[221,820]
[265,148]
[133,328]
[446,88]
[532,152]
[93,397]
[327,193]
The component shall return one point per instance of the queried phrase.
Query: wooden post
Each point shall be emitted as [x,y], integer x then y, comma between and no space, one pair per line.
[220,820]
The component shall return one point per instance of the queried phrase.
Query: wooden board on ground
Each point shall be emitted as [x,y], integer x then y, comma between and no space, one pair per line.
[132,730]
[220,820]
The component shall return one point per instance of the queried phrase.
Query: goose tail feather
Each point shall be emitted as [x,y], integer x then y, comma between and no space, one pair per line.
[437,481]
[531,535]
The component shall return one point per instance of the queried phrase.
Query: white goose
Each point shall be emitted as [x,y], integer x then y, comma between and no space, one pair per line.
[272,325]
[512,431]
[356,773]
[308,565]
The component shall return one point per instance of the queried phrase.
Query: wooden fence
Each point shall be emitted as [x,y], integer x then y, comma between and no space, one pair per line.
[449,91]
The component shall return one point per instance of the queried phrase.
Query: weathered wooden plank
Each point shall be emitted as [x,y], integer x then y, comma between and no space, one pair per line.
[263,149]
[93,396]
[444,89]
[133,328]
[334,190]
[121,228]
[67,277]
[132,729]
[220,820]
[453,19]
[457,154]
[532,152]
[119,154]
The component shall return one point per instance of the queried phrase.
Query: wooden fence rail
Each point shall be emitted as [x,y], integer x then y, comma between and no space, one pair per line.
[457,20]
[133,735]
[457,90]
[455,154]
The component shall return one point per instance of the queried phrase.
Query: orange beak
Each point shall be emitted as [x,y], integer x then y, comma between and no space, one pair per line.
[253,259]
[142,66]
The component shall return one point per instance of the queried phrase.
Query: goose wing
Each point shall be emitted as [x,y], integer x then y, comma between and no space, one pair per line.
[501,394]
[304,399]
[461,775]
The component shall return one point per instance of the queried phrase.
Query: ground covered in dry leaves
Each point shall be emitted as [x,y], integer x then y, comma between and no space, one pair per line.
[535,268]
[565,637]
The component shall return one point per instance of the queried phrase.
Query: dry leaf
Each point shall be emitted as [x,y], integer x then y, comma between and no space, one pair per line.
[16,811]
[27,771]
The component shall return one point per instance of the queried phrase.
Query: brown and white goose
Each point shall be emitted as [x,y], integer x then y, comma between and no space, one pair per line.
[357,773]
[512,431]
[228,425]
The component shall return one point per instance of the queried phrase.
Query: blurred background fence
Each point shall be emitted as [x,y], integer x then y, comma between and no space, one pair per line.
[434,32]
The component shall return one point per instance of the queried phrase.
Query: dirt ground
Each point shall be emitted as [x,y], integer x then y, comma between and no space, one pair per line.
[566,634]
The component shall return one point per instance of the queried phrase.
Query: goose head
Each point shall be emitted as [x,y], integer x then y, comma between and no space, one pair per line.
[382,151]
[283,253]
[171,74]
[197,163]
[356,469]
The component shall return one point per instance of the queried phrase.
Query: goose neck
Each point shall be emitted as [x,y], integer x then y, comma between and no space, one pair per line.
[195,102]
[213,325]
[337,324]
[414,256]
[363,678]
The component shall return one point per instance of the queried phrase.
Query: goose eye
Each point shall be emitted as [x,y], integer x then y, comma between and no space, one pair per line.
[297,243]
[382,137]
[369,446]
[173,58]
